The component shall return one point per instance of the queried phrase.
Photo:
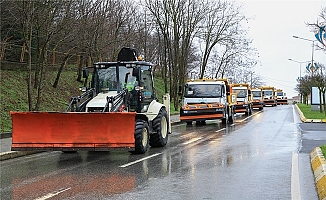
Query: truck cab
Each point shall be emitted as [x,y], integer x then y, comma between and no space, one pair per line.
[281,97]
[244,98]
[257,98]
[207,99]
[269,95]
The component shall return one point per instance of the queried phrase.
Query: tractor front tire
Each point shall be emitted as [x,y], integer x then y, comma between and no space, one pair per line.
[161,129]
[141,137]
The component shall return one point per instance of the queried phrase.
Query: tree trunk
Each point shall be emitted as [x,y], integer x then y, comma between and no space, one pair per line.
[80,69]
[63,64]
[40,87]
[320,101]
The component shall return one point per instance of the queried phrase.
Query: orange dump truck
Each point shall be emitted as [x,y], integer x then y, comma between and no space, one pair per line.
[281,97]
[118,110]
[244,98]
[257,98]
[269,95]
[207,99]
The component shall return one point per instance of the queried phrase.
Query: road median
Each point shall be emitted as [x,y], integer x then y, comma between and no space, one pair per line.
[318,165]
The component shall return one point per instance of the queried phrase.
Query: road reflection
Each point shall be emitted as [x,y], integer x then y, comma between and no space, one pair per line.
[97,174]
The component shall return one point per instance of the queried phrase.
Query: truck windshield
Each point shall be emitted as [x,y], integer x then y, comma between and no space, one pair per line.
[280,94]
[256,93]
[241,93]
[268,93]
[203,90]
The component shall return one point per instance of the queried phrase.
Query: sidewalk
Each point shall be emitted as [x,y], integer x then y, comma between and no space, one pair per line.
[317,161]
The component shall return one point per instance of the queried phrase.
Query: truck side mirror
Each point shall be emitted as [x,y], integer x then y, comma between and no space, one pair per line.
[85,72]
[227,90]
[180,90]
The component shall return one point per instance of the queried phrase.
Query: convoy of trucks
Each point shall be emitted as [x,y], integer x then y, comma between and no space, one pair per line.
[119,109]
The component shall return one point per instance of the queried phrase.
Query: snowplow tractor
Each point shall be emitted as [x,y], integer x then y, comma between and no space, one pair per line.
[119,110]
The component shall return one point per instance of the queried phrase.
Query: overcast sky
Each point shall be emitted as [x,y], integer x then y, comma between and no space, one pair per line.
[272,29]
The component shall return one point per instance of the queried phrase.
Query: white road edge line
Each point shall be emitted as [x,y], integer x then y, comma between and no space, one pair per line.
[50,195]
[137,161]
[295,181]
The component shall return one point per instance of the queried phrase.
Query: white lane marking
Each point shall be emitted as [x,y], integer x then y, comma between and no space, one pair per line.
[192,140]
[222,129]
[256,113]
[137,161]
[295,181]
[50,195]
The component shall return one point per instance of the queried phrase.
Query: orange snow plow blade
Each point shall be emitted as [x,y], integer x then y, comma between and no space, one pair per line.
[72,130]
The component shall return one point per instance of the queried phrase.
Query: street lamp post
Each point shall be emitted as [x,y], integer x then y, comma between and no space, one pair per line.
[300,73]
[312,52]
[300,65]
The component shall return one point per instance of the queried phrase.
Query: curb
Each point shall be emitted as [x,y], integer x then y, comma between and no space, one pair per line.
[5,135]
[318,165]
[15,154]
[305,120]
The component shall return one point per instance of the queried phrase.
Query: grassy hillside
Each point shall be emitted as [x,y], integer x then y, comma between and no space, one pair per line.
[14,93]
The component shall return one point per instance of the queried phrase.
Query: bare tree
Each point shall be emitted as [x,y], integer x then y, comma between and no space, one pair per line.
[177,21]
[220,26]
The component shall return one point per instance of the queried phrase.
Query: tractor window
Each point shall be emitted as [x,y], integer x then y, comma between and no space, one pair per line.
[107,78]
[147,83]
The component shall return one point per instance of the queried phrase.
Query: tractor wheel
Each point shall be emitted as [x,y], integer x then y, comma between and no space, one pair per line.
[161,129]
[141,137]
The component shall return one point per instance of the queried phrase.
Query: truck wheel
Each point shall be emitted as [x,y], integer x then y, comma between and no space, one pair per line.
[250,110]
[247,112]
[161,129]
[141,137]
[231,116]
[224,120]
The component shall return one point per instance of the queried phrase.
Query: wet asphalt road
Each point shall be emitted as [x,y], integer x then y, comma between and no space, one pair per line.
[252,159]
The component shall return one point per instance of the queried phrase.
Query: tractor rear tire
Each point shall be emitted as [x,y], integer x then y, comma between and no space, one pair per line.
[141,137]
[161,130]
